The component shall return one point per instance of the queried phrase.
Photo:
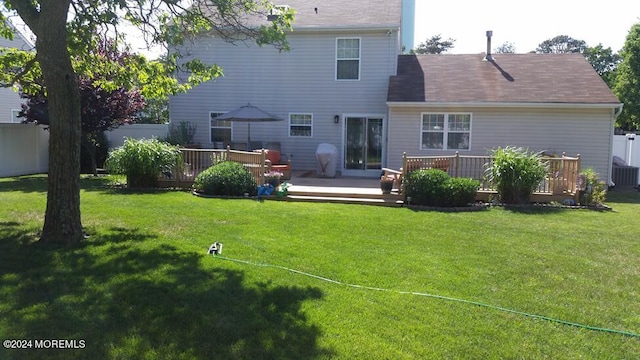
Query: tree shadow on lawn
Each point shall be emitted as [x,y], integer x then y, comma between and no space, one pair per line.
[129,300]
[38,183]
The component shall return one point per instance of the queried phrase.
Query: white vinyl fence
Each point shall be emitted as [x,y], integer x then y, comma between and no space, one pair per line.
[628,150]
[24,149]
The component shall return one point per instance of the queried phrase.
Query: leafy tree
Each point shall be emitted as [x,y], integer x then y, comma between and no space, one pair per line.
[627,81]
[66,29]
[434,45]
[101,110]
[561,44]
[156,111]
[604,61]
[505,48]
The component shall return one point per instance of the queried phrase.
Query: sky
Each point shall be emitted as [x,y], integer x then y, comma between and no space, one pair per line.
[525,24]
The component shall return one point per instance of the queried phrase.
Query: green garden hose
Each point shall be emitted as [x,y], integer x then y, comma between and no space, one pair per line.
[522,313]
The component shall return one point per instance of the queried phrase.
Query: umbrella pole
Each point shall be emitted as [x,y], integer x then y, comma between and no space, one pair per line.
[249,136]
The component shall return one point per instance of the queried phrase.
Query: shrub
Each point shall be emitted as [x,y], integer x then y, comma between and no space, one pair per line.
[434,187]
[226,178]
[425,187]
[515,173]
[595,192]
[142,161]
[461,191]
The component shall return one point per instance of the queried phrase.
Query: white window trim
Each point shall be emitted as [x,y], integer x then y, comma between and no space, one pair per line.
[210,127]
[445,131]
[14,118]
[359,58]
[289,126]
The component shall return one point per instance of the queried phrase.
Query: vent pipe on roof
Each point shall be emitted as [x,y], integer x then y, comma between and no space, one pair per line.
[489,57]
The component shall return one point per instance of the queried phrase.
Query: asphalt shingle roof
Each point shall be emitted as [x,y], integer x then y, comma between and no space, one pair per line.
[509,78]
[341,13]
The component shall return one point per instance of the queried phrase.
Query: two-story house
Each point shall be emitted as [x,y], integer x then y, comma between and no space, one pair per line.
[345,82]
[331,87]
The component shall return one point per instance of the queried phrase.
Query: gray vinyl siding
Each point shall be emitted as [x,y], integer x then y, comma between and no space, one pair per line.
[283,83]
[587,132]
[10,99]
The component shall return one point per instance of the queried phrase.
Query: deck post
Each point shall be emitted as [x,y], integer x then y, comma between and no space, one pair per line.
[456,164]
[404,168]
[262,167]
[577,192]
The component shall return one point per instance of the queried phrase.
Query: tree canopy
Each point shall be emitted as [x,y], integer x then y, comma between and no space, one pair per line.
[627,81]
[434,45]
[505,48]
[65,46]
[561,44]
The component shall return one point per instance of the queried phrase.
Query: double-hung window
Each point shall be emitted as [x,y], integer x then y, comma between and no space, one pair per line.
[220,129]
[444,131]
[348,59]
[300,125]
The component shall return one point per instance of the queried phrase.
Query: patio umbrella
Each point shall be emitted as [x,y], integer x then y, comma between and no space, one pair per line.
[248,113]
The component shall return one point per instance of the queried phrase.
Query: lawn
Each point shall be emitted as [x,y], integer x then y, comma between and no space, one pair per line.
[142,286]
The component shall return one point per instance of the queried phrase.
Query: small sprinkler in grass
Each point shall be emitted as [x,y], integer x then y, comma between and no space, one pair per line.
[215,249]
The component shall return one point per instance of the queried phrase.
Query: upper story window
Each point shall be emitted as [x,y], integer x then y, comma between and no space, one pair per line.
[300,125]
[445,131]
[348,59]
[220,130]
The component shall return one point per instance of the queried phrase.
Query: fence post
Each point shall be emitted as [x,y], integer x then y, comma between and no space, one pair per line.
[262,168]
[228,153]
[403,187]
[457,164]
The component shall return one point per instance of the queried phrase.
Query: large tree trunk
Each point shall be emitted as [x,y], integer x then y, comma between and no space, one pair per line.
[62,223]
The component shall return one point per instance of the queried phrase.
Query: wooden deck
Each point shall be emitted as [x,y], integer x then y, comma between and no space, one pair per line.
[561,184]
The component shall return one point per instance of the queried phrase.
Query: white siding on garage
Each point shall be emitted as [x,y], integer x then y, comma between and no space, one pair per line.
[299,81]
[587,132]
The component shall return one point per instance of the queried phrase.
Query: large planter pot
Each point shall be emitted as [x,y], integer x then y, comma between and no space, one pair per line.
[386,186]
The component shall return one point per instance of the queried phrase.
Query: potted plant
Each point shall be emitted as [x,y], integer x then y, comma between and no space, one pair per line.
[273,177]
[386,184]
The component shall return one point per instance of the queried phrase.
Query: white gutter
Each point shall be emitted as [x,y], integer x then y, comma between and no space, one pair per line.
[405,104]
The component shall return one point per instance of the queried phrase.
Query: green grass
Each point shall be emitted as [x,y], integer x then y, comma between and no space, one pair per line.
[142,286]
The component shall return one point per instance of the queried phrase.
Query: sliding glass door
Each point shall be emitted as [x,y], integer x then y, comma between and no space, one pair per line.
[363,144]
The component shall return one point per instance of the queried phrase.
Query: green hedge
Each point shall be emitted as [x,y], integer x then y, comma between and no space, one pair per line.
[226,178]
[435,187]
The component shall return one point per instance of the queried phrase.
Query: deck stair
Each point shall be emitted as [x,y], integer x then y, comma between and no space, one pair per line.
[348,195]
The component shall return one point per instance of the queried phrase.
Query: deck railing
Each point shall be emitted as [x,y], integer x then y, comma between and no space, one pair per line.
[562,177]
[197,160]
